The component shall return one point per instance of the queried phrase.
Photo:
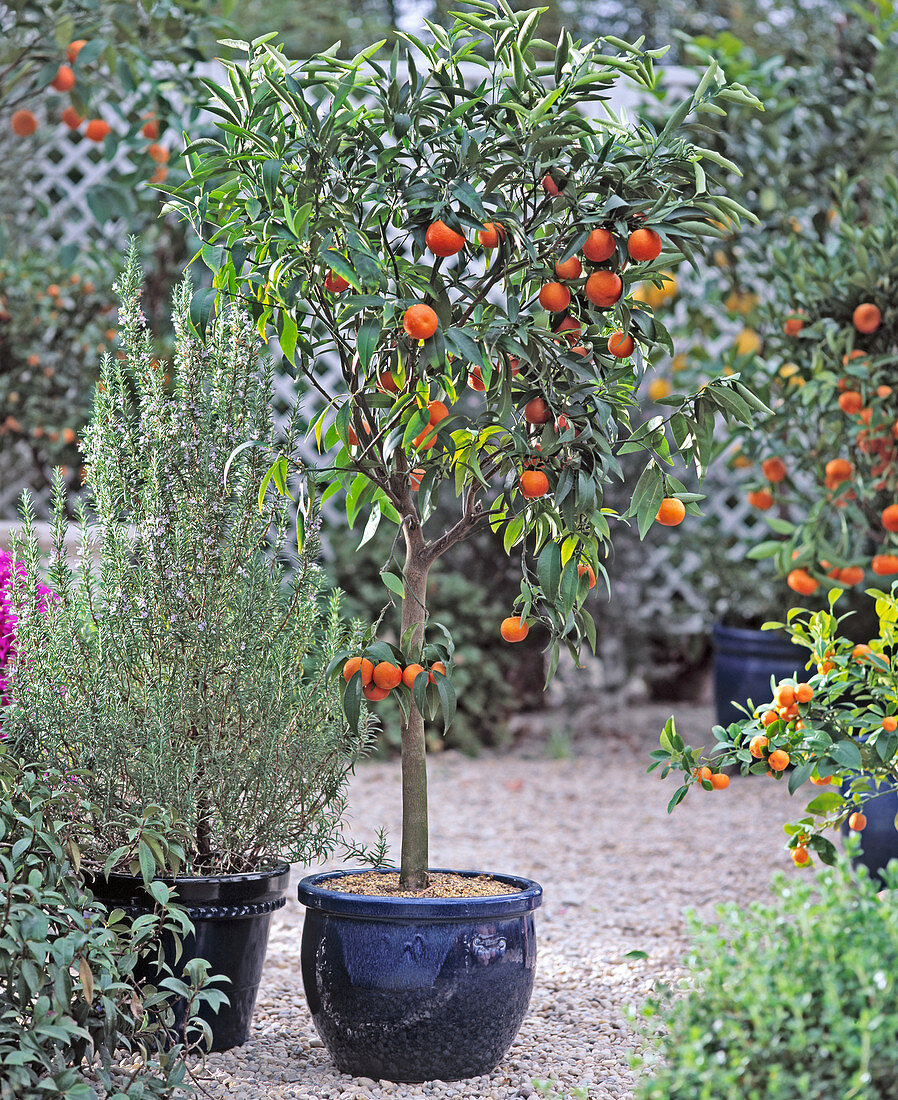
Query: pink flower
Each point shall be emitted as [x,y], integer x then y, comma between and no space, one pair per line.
[8,619]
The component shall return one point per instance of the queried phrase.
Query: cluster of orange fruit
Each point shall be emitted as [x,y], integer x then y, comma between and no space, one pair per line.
[378,680]
[883,565]
[24,122]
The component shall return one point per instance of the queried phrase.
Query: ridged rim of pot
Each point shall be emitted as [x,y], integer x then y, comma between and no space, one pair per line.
[766,641]
[239,889]
[528,896]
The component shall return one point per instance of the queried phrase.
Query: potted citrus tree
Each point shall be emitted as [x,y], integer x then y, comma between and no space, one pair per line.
[178,665]
[450,230]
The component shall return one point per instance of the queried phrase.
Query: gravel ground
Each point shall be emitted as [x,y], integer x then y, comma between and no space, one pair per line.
[617,873]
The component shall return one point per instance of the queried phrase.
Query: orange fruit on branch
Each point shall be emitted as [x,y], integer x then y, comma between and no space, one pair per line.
[420,321]
[758,745]
[569,269]
[778,760]
[604,288]
[720,781]
[334,283]
[599,246]
[490,234]
[158,153]
[857,821]
[150,129]
[761,499]
[71,118]
[885,565]
[64,80]
[475,380]
[801,581]
[555,297]
[375,694]
[889,517]
[534,483]
[644,244]
[620,345]
[415,478]
[74,48]
[839,470]
[438,411]
[793,326]
[866,318]
[588,571]
[514,629]
[671,512]
[443,241]
[387,675]
[774,469]
[851,401]
[410,673]
[536,411]
[23,123]
[850,575]
[436,667]
[358,664]
[98,129]
[800,856]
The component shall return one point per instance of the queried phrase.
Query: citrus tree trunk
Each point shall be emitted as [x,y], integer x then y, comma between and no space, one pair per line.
[414,857]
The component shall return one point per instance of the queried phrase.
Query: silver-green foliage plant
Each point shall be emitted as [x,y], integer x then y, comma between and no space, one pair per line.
[185,668]
[792,1000]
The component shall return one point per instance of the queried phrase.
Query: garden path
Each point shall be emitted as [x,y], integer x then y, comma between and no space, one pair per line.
[617,873]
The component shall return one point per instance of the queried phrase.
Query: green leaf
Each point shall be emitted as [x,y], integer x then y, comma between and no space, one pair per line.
[201,306]
[394,583]
[647,497]
[271,173]
[847,754]
[366,341]
[548,568]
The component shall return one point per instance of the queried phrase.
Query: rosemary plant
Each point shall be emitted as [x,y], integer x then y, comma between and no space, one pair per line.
[181,664]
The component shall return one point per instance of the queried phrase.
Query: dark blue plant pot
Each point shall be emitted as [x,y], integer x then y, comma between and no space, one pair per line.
[879,838]
[231,916]
[418,989]
[744,661]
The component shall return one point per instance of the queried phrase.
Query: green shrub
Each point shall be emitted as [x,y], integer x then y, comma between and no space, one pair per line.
[69,1002]
[796,1000]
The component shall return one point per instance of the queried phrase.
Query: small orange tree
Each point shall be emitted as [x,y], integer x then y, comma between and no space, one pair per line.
[449,219]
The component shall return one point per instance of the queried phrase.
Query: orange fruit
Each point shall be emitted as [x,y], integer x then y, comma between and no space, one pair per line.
[437,666]
[604,288]
[555,297]
[785,695]
[536,411]
[720,781]
[850,575]
[801,581]
[839,470]
[410,673]
[420,321]
[884,391]
[671,512]
[438,411]
[774,469]
[778,760]
[159,173]
[821,780]
[64,80]
[475,380]
[443,241]
[620,345]
[889,517]
[387,675]
[68,436]
[589,572]
[768,718]
[334,283]
[98,129]
[150,129]
[514,629]
[890,723]
[385,381]
[644,244]
[74,48]
[793,326]
[352,438]
[851,401]
[570,269]
[534,483]
[860,651]
[23,123]
[415,478]
[857,821]
[599,246]
[375,694]
[703,774]
[550,186]
[761,498]
[71,118]
[358,664]
[758,745]
[884,565]
[490,234]
[804,693]
[425,439]
[800,856]
[158,153]
[866,318]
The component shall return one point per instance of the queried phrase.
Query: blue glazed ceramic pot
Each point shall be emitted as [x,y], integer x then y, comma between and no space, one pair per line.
[418,989]
[744,661]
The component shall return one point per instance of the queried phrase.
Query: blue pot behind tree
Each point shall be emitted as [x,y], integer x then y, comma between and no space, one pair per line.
[744,661]
[418,989]
[879,837]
